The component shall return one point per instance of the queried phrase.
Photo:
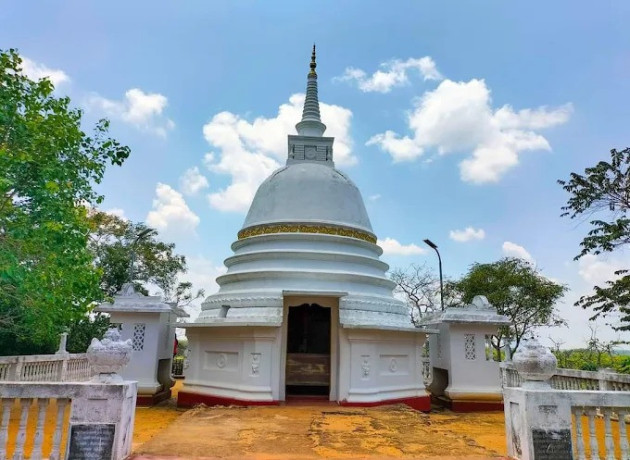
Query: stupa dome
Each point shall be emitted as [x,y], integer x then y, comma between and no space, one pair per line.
[307,233]
[305,306]
[307,192]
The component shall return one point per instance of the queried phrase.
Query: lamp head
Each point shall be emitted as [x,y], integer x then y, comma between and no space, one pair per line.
[430,243]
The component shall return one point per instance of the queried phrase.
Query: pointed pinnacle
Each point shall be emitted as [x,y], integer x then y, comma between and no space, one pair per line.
[313,63]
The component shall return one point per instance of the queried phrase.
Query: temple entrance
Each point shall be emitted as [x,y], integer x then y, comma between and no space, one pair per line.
[308,350]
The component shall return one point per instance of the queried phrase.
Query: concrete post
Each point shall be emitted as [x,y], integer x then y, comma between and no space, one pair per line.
[537,418]
[101,424]
[63,340]
[604,382]
[508,350]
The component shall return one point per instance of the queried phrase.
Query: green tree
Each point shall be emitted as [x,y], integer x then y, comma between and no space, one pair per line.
[604,190]
[516,289]
[81,331]
[48,167]
[116,247]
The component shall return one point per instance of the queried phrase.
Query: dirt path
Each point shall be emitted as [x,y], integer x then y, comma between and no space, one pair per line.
[310,432]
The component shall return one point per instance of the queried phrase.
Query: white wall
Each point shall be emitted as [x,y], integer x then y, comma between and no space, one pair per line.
[144,363]
[380,365]
[472,378]
[234,362]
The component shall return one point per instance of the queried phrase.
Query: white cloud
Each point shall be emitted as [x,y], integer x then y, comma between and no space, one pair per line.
[202,273]
[467,234]
[171,216]
[208,159]
[514,250]
[458,117]
[391,74]
[192,181]
[250,151]
[596,270]
[37,71]
[392,247]
[141,110]
[374,197]
[118,212]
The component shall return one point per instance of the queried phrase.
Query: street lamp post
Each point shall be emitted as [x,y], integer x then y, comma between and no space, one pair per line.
[434,246]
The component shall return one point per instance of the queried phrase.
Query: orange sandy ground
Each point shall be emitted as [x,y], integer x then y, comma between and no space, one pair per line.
[304,431]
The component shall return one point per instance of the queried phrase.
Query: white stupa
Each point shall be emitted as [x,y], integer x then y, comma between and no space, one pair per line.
[305,307]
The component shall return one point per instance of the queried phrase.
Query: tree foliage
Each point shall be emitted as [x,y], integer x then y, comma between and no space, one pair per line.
[184,294]
[516,289]
[115,244]
[604,190]
[48,167]
[115,248]
[81,331]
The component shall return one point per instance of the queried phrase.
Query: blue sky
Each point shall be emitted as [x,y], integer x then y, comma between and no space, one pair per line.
[475,111]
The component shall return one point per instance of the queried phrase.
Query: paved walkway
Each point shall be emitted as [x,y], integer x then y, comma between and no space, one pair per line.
[317,432]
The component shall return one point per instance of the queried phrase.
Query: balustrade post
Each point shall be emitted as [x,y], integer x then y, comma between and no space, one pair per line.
[17,370]
[55,454]
[508,350]
[609,442]
[42,406]
[63,370]
[537,421]
[109,412]
[603,378]
[623,434]
[4,425]
[63,340]
[63,373]
[25,405]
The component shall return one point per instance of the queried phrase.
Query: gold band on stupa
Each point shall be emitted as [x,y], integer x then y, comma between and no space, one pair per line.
[306,228]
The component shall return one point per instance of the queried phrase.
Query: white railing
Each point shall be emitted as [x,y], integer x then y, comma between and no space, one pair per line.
[89,403]
[591,407]
[572,379]
[545,420]
[45,368]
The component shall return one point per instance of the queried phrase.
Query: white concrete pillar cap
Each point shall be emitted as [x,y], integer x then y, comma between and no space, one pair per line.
[534,363]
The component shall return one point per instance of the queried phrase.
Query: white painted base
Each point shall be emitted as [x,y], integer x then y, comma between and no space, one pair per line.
[378,365]
[473,394]
[234,362]
[247,363]
[148,388]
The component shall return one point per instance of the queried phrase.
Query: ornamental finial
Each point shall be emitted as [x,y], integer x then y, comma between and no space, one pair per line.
[311,124]
[313,63]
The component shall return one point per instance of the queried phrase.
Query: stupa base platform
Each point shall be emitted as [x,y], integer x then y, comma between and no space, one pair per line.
[190,399]
[420,403]
[152,400]
[463,406]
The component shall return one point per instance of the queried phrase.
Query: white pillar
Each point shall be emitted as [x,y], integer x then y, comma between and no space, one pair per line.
[537,418]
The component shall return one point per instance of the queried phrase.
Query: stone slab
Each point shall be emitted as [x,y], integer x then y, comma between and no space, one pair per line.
[552,444]
[91,441]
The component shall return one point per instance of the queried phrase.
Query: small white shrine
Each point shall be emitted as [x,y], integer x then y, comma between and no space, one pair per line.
[150,325]
[305,308]
[466,376]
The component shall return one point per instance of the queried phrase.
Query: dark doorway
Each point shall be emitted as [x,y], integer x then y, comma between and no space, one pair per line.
[308,350]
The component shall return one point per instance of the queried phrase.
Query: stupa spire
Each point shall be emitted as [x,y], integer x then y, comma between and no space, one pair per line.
[311,124]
